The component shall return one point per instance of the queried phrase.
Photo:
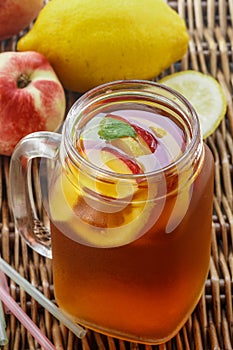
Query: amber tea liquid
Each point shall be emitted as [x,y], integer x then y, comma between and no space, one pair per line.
[130,260]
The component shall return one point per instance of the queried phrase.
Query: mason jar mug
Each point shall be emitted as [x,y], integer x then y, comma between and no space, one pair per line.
[129,190]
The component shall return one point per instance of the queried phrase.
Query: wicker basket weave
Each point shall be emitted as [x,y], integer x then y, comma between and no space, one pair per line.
[210,25]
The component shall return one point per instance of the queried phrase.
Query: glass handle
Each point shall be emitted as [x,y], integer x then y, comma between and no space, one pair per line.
[36,145]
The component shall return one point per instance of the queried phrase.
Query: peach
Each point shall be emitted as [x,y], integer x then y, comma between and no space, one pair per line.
[15,15]
[31,97]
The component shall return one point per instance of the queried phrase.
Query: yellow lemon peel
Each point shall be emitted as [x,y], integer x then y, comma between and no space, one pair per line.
[93,42]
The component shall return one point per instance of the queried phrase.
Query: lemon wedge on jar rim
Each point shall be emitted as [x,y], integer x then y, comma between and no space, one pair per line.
[204,93]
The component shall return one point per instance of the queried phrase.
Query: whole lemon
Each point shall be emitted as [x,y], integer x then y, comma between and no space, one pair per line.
[92,42]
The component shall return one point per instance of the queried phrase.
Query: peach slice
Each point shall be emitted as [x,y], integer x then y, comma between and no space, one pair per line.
[144,135]
[94,226]
[147,137]
[83,182]
[118,162]
[131,146]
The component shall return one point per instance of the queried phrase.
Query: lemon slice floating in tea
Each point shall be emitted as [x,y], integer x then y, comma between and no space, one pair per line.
[204,93]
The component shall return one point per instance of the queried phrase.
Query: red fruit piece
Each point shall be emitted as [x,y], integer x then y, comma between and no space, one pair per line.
[146,135]
[115,155]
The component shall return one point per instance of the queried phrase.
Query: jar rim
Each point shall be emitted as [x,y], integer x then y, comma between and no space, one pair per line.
[194,147]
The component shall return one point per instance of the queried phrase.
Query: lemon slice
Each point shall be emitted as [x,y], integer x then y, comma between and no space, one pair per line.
[204,93]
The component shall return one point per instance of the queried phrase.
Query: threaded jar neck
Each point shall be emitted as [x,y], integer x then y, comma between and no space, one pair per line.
[140,94]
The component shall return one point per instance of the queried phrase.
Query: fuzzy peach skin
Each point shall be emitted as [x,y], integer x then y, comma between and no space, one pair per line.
[16,15]
[31,97]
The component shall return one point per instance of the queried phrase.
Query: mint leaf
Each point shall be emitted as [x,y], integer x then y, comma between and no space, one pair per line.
[111,128]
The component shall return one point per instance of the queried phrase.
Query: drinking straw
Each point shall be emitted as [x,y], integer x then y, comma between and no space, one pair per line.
[22,316]
[41,299]
[3,336]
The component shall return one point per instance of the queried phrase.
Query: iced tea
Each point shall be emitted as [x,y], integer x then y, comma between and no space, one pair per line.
[131,222]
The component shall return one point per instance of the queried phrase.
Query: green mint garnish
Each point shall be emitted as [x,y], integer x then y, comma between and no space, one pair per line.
[111,128]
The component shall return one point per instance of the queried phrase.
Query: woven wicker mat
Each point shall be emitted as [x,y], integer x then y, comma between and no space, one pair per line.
[210,326]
